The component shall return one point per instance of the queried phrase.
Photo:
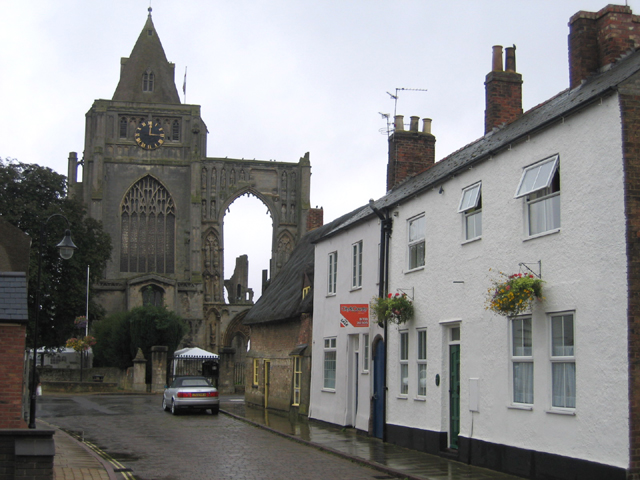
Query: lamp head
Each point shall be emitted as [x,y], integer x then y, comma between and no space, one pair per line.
[66,246]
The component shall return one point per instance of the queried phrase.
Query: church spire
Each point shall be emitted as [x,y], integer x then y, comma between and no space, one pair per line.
[146,76]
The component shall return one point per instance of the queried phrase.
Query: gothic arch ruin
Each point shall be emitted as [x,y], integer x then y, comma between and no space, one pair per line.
[282,187]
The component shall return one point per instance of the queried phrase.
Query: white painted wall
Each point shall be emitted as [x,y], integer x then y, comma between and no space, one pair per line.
[336,406]
[584,267]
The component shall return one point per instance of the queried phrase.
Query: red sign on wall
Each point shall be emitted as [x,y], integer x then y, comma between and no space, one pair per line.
[356,315]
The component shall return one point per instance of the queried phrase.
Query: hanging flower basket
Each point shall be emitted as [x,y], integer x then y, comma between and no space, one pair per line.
[80,322]
[396,308]
[81,344]
[514,294]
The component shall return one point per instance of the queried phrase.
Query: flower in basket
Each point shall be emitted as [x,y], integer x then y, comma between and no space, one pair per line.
[81,344]
[514,294]
[393,309]
[80,322]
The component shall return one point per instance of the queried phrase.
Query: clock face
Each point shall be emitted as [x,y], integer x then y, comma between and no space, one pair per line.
[149,135]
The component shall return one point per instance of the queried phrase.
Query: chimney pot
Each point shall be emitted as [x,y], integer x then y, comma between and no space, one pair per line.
[399,123]
[497,58]
[426,125]
[414,124]
[511,59]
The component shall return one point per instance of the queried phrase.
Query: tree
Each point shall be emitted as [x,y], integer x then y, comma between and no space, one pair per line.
[29,194]
[120,335]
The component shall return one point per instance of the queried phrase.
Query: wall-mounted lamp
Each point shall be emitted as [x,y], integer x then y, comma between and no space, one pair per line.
[441,191]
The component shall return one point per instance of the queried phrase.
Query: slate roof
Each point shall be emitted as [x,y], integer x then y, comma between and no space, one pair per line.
[538,118]
[13,297]
[283,299]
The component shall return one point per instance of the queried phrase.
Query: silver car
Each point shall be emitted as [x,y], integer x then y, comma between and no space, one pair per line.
[194,393]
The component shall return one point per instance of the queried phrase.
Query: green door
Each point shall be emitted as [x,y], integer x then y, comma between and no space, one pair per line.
[454,395]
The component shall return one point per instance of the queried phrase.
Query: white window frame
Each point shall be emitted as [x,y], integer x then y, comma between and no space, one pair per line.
[416,240]
[356,265]
[563,355]
[471,208]
[542,196]
[537,176]
[329,364]
[404,362]
[332,275]
[422,362]
[366,352]
[522,364]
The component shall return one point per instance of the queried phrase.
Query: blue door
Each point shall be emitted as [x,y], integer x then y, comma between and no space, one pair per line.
[378,389]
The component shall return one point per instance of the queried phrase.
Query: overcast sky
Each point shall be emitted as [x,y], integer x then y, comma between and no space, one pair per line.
[278,78]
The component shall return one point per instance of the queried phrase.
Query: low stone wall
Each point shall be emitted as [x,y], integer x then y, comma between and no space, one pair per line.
[79,387]
[93,380]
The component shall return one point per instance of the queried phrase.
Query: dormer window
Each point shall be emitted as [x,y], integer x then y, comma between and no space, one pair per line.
[147,82]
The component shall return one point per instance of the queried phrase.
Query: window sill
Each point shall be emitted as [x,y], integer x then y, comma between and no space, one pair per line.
[402,397]
[355,289]
[471,240]
[419,399]
[417,269]
[330,295]
[562,411]
[328,390]
[543,234]
[364,372]
[524,406]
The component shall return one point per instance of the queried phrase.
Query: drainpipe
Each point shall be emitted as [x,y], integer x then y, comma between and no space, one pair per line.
[386,224]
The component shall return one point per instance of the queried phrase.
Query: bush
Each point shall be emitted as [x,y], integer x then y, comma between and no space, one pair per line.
[120,335]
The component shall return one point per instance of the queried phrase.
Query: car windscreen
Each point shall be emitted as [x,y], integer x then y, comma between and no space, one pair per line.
[199,382]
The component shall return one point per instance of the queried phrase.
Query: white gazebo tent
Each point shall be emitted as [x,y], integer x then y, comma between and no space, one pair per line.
[195,361]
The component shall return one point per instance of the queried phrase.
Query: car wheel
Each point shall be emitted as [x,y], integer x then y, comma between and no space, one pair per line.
[215,410]
[165,407]
[174,409]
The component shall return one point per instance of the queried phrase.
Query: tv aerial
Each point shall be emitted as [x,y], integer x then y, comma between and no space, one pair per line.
[387,116]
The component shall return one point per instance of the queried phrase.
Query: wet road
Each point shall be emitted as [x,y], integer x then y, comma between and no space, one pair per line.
[155,445]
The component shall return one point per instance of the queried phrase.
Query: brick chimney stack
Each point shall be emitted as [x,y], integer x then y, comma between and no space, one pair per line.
[599,39]
[410,152]
[315,219]
[503,91]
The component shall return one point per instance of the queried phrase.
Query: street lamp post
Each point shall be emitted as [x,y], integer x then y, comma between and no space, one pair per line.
[65,248]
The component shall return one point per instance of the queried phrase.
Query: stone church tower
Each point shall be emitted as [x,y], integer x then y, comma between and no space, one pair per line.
[146,176]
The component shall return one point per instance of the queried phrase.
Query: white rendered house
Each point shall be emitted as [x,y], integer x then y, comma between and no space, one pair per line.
[345,336]
[550,392]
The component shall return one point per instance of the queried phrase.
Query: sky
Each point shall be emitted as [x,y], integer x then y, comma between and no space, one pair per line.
[278,78]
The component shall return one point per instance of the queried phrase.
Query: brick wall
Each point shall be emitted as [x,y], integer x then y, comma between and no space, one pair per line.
[26,454]
[630,109]
[12,347]
[503,92]
[599,38]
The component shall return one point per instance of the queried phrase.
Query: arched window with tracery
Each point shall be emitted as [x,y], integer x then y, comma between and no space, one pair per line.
[148,221]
